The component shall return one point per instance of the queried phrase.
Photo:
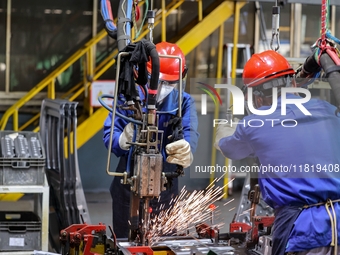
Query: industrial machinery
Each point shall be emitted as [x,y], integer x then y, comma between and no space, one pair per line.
[248,235]
[244,238]
[145,163]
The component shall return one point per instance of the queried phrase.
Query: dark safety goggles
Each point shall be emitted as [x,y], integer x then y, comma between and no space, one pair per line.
[277,82]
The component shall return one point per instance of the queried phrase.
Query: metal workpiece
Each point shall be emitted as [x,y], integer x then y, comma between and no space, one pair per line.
[243,212]
[154,139]
[182,246]
[264,245]
[189,244]
[58,125]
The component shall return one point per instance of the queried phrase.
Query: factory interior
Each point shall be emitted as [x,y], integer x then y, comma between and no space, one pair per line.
[63,63]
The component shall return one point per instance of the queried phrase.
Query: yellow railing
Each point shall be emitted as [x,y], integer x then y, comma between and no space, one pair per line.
[48,82]
[89,70]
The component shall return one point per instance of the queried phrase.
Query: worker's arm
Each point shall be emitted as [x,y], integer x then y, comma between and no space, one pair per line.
[118,129]
[180,152]
[236,146]
[190,122]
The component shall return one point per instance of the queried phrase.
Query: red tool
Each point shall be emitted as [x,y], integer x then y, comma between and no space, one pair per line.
[239,227]
[145,250]
[205,231]
[257,222]
[78,233]
[261,222]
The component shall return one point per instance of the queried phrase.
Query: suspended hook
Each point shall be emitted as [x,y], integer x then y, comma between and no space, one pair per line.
[277,42]
[275,28]
[151,22]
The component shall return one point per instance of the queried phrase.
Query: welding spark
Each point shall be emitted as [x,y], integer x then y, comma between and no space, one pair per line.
[221,177]
[245,211]
[186,211]
[231,200]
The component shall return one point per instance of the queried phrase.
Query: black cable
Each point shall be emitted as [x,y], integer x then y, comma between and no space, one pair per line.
[333,78]
[101,101]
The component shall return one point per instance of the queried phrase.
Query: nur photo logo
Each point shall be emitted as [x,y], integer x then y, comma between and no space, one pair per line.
[243,100]
[240,100]
[213,94]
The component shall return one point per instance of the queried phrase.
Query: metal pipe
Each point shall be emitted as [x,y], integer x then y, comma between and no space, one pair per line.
[333,19]
[219,76]
[163,21]
[15,120]
[94,18]
[238,7]
[235,42]
[90,64]
[8,46]
[51,89]
[257,27]
[295,30]
[85,70]
[113,118]
[94,30]
[200,10]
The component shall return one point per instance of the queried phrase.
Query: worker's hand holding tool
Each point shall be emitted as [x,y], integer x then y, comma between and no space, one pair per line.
[179,153]
[224,130]
[126,137]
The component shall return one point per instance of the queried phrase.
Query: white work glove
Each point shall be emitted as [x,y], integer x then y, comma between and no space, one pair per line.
[224,130]
[179,153]
[126,136]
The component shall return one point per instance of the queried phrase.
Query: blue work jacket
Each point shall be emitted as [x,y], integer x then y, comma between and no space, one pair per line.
[299,159]
[167,109]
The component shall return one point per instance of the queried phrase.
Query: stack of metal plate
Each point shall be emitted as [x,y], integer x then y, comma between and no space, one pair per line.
[58,126]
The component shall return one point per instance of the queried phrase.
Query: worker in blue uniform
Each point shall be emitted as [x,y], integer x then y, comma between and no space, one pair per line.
[175,153]
[299,157]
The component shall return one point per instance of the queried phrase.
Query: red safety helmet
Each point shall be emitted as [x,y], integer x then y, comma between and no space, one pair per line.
[265,66]
[169,67]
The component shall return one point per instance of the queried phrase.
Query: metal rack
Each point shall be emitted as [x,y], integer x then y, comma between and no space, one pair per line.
[43,190]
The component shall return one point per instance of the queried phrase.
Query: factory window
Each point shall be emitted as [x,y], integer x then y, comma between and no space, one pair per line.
[43,35]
